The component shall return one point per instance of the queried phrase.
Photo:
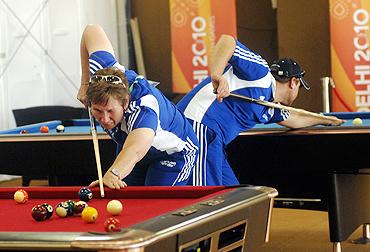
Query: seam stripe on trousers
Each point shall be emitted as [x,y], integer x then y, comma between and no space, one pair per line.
[199,174]
[189,162]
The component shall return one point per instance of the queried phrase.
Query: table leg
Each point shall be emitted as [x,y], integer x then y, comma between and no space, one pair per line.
[365,239]
[337,247]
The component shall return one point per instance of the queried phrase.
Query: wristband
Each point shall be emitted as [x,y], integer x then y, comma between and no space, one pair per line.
[116,173]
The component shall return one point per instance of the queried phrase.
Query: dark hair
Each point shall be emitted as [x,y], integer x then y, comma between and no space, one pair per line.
[99,92]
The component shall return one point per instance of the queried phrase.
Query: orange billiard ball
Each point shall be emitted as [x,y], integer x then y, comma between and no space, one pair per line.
[21,196]
[44,129]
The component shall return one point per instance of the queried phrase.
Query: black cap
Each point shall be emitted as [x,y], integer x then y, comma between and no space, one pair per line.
[285,68]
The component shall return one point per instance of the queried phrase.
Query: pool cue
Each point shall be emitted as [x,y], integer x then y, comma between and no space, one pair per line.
[96,150]
[279,106]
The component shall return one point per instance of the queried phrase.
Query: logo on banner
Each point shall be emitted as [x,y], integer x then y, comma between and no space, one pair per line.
[195,27]
[350,54]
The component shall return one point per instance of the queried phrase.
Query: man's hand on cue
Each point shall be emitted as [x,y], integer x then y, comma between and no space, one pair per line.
[111,181]
[220,87]
[334,121]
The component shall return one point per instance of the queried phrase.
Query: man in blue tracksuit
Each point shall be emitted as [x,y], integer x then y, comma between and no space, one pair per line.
[145,125]
[218,120]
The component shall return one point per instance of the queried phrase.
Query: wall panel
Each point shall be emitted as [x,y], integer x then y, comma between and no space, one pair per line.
[303,34]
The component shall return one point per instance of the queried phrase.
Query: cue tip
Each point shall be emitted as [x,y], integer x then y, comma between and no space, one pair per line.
[102,194]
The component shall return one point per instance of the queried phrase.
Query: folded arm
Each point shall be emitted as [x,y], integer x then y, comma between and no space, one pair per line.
[93,39]
[223,52]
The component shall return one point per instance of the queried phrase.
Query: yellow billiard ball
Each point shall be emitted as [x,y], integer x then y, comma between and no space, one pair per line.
[89,214]
[357,121]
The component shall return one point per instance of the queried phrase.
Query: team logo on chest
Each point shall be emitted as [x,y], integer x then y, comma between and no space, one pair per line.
[168,163]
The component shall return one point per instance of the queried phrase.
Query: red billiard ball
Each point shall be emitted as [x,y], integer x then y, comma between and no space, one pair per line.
[44,129]
[21,196]
[112,225]
[24,132]
[39,213]
[79,207]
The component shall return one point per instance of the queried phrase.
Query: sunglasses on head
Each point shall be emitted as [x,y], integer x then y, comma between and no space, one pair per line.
[111,79]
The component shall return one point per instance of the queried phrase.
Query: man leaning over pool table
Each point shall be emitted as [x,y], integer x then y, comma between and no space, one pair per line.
[219,119]
[137,116]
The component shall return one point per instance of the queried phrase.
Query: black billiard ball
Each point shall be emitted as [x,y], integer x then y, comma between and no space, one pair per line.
[71,206]
[39,213]
[85,194]
[60,128]
[49,208]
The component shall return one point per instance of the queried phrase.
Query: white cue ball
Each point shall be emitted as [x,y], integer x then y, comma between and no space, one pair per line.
[60,128]
[114,207]
[357,121]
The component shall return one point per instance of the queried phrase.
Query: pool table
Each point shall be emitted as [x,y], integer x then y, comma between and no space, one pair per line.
[72,127]
[171,219]
[56,156]
[299,161]
[322,168]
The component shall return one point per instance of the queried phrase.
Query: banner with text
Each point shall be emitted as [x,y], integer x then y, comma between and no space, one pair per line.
[196,25]
[350,54]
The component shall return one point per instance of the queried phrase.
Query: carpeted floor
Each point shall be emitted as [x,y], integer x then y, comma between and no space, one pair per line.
[305,231]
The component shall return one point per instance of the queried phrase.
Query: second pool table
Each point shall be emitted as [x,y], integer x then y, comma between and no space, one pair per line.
[56,156]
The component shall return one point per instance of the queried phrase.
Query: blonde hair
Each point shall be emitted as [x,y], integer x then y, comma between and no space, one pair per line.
[100,92]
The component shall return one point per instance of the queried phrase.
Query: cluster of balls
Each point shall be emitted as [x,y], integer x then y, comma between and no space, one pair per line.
[79,208]
[45,129]
[88,214]
[70,208]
